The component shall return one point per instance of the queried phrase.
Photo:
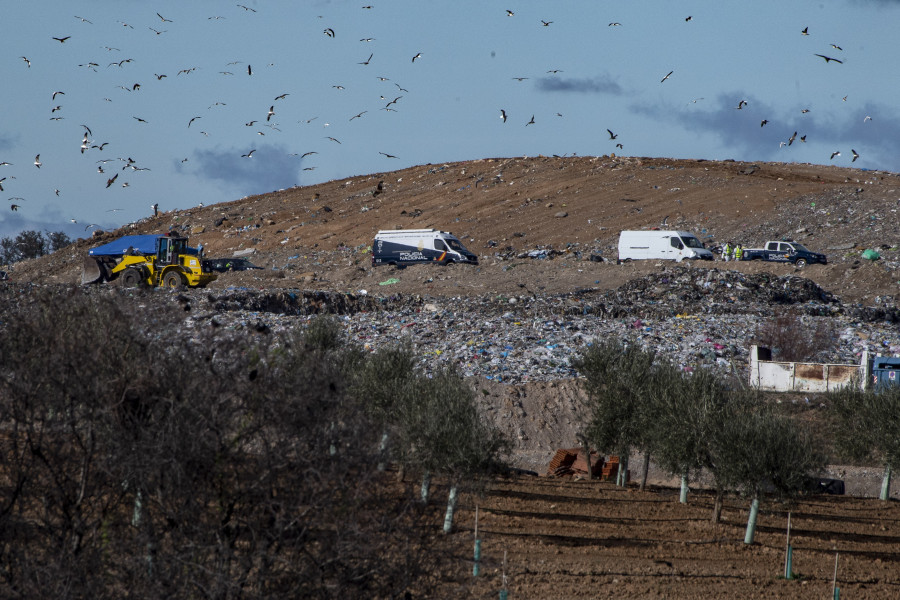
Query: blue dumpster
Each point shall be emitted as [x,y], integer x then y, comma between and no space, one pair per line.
[885,371]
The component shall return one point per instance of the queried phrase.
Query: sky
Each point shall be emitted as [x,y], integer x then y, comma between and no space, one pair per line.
[130,104]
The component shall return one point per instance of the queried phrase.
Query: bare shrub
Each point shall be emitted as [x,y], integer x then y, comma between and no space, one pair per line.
[794,338]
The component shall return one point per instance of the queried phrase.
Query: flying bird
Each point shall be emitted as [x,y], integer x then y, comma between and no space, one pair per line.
[358,115]
[246,8]
[688,18]
[763,122]
[14,207]
[666,77]
[868,118]
[509,13]
[37,161]
[803,138]
[365,62]
[249,154]
[836,47]
[612,135]
[281,97]
[111,180]
[546,23]
[792,138]
[835,153]
[828,59]
[305,154]
[164,20]
[270,113]
[855,155]
[387,155]
[193,119]
[83,20]
[249,69]
[332,139]
[418,55]
[614,24]
[27,62]
[329,32]
[503,115]
[805,31]
[531,122]
[741,105]
[62,39]
[55,94]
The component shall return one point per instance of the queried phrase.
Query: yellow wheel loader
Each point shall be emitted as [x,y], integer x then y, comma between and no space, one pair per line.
[148,261]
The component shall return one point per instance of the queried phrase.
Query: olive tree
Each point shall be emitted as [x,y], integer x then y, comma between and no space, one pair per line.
[617,379]
[866,425]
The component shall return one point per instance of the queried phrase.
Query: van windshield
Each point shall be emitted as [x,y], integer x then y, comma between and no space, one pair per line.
[455,244]
[691,242]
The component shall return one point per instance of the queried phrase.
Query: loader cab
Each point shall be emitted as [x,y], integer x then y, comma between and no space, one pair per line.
[169,249]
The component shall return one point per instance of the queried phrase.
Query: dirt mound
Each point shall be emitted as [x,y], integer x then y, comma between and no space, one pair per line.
[316,236]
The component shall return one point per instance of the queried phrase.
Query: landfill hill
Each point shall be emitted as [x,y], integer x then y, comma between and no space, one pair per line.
[566,208]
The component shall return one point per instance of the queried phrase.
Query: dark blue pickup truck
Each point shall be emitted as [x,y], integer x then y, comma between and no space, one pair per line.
[791,252]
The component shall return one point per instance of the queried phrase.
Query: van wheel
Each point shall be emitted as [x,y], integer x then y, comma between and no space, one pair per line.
[800,263]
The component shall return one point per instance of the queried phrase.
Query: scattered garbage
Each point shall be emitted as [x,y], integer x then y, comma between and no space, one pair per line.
[390,281]
[871,254]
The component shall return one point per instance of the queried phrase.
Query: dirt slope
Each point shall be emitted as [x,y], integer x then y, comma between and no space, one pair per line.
[316,236]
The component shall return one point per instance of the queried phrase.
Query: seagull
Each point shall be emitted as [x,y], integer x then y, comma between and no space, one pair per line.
[358,115]
[418,55]
[1,183]
[37,161]
[531,122]
[741,105]
[27,62]
[365,62]
[55,94]
[620,146]
[111,180]
[63,39]
[157,31]
[329,32]
[614,24]
[159,77]
[305,154]
[612,135]
[193,119]
[828,59]
[139,120]
[855,155]
[249,154]
[805,31]
[400,88]
[546,23]
[868,118]
[803,138]
[249,124]
[164,20]
[14,207]
[247,8]
[835,153]
[688,18]
[763,122]
[387,155]
[666,77]
[794,137]
[271,112]
[249,70]
[509,13]
[804,111]
[503,115]
[836,47]
[520,78]
[332,139]
[83,20]
[281,97]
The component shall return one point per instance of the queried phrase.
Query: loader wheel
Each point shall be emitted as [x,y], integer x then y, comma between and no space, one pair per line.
[131,278]
[173,280]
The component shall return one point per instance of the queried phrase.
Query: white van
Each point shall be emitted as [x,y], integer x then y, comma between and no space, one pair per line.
[656,244]
[410,246]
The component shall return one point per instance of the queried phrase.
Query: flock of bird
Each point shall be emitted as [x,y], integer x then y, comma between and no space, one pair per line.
[112,168]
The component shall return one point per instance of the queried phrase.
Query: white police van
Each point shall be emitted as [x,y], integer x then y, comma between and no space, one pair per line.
[410,246]
[656,244]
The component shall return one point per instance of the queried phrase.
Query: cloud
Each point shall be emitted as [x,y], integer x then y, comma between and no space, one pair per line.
[269,168]
[877,140]
[6,142]
[48,221]
[602,84]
